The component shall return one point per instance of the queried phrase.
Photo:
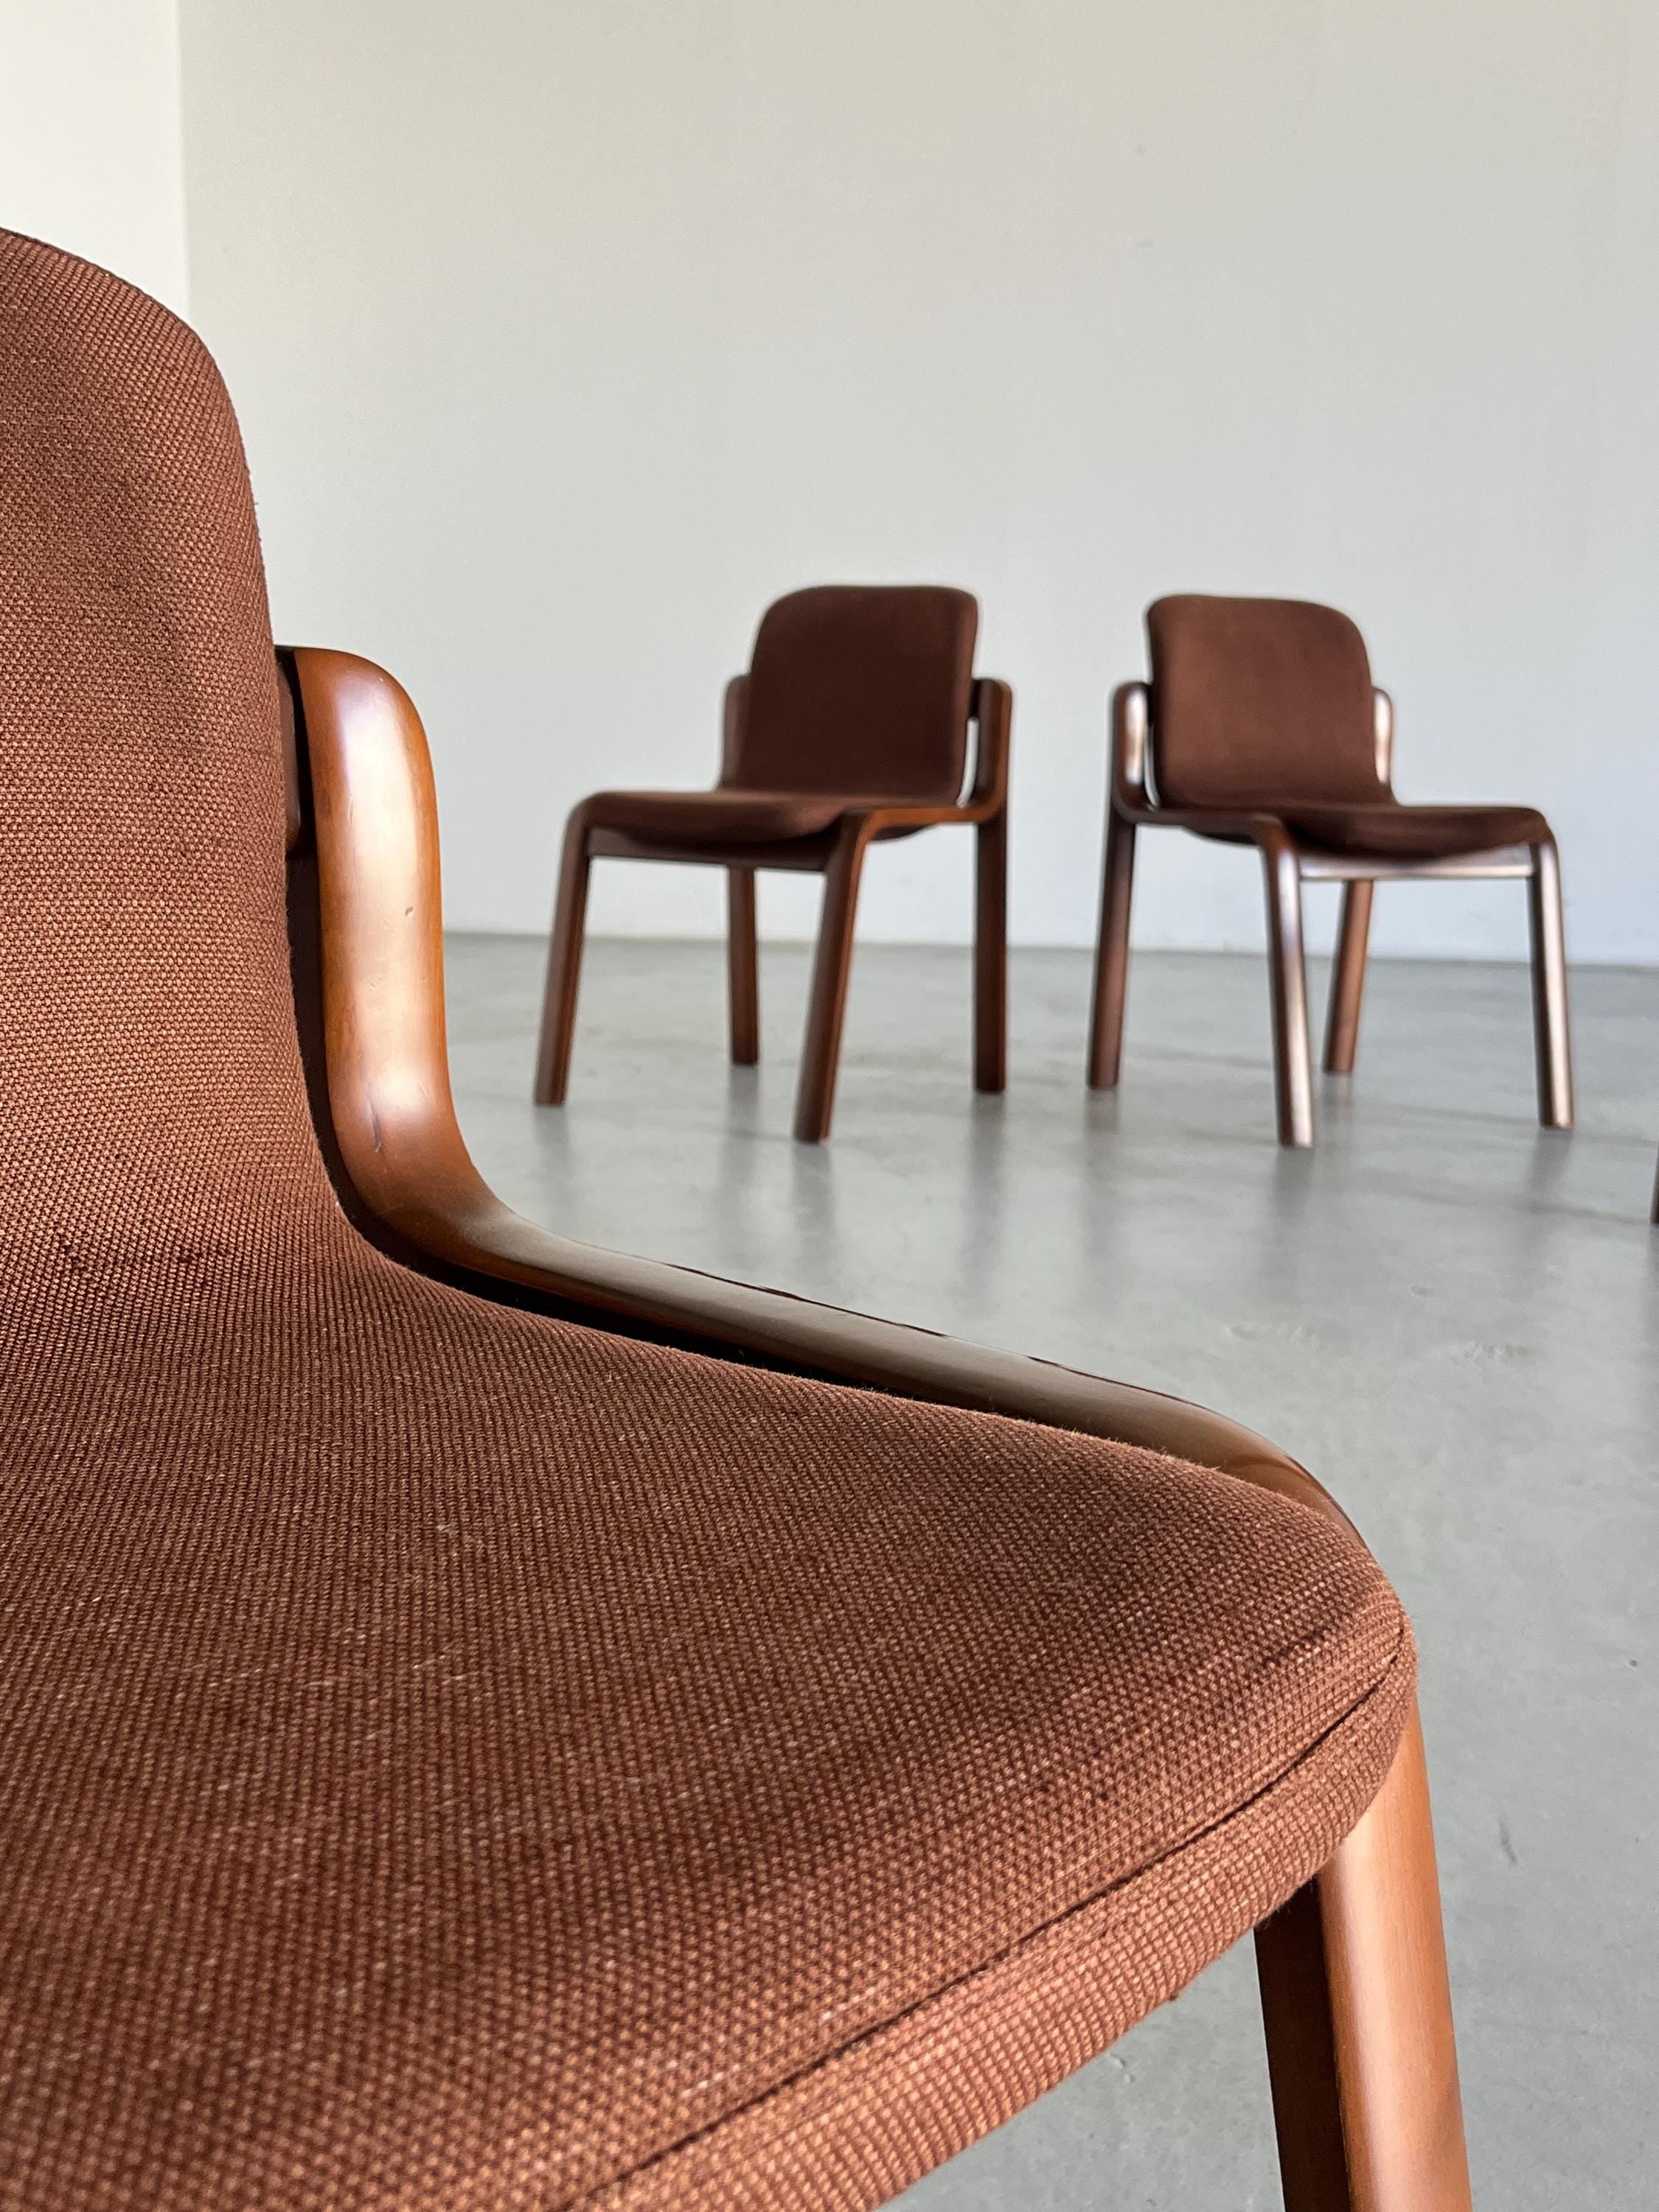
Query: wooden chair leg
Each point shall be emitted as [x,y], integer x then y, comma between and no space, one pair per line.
[1112,954]
[991,954]
[1358,2013]
[1292,1060]
[564,965]
[831,971]
[1348,978]
[1551,1036]
[742,966]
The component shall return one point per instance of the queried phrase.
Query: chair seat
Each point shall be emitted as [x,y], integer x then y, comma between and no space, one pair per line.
[722,817]
[1392,832]
[455,1758]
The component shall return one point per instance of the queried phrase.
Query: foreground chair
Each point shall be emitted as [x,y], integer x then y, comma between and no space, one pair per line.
[1261,727]
[489,1723]
[851,727]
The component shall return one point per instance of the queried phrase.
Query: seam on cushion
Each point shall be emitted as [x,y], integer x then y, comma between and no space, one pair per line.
[757,2104]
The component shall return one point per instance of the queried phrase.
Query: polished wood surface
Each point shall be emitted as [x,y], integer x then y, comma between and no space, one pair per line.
[1348,976]
[1131,804]
[1378,2078]
[838,855]
[742,966]
[1287,976]
[1549,988]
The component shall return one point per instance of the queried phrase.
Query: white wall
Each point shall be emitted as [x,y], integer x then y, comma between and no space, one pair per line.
[567,332]
[91,156]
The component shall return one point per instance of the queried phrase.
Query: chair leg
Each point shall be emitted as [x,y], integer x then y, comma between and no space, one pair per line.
[1551,1037]
[564,966]
[1292,1061]
[1112,954]
[1357,2013]
[832,969]
[742,966]
[991,954]
[1348,978]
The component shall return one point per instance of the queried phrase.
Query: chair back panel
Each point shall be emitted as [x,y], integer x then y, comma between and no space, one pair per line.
[1259,702]
[151,1088]
[861,688]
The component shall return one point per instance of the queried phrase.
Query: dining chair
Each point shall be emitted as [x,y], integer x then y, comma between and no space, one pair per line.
[491,1722]
[851,727]
[1261,727]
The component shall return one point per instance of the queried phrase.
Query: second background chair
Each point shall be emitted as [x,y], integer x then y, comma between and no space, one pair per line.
[851,726]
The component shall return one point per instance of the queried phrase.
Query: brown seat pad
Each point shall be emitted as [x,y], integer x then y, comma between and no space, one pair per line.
[1390,831]
[722,818]
[452,1759]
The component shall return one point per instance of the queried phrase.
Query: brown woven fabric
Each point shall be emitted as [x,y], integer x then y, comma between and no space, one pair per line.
[1260,703]
[1416,833]
[455,1759]
[861,687]
[722,817]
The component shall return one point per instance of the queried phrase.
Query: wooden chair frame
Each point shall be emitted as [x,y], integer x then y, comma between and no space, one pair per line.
[1287,863]
[837,855]
[1353,1970]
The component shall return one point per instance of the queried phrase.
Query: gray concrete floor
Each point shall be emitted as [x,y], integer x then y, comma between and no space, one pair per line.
[1452,1317]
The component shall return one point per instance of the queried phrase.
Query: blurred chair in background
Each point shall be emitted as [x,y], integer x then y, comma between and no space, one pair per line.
[1261,727]
[851,726]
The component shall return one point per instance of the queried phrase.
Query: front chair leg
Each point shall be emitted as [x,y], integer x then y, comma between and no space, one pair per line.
[1550,1038]
[564,965]
[1112,954]
[991,954]
[832,969]
[1292,1062]
[1348,977]
[743,966]
[1358,2013]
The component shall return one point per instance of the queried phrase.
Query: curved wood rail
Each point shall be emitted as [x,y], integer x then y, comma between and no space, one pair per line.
[1354,1990]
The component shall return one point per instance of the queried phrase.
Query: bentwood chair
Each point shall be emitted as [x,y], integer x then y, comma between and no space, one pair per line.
[851,727]
[492,1723]
[1261,727]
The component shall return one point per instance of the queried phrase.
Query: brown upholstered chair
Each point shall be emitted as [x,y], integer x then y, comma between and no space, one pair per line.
[1261,726]
[851,727]
[491,1723]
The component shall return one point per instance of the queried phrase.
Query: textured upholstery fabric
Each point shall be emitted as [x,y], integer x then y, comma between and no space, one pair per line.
[721,817]
[1260,703]
[861,688]
[1416,833]
[452,1759]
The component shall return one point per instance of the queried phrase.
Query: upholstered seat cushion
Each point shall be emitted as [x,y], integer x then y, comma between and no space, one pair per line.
[1416,833]
[455,1758]
[721,817]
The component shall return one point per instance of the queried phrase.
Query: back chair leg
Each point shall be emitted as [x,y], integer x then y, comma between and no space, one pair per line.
[743,966]
[1348,978]
[831,971]
[1112,954]
[1551,1036]
[1292,1061]
[1357,2014]
[564,965]
[991,954]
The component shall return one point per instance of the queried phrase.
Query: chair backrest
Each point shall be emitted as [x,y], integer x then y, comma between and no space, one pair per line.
[1259,702]
[151,1098]
[860,687]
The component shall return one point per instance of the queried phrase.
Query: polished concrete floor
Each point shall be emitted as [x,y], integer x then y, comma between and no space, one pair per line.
[1453,1318]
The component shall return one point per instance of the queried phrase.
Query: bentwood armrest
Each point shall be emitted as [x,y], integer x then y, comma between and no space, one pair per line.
[368,804]
[1353,1969]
